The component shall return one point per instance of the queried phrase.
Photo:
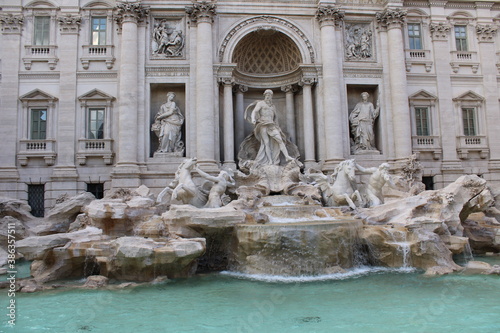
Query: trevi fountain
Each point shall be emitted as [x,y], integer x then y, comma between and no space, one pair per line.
[271,246]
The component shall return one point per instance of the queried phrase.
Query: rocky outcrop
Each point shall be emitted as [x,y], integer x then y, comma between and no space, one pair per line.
[59,218]
[448,207]
[483,233]
[17,209]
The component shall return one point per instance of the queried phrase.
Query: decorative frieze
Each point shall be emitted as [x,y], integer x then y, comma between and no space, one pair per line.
[329,15]
[167,39]
[439,31]
[358,42]
[69,24]
[203,11]
[486,33]
[130,12]
[391,18]
[11,24]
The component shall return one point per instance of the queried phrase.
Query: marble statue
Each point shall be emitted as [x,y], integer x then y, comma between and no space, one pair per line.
[362,119]
[340,189]
[378,178]
[217,197]
[183,188]
[267,143]
[167,126]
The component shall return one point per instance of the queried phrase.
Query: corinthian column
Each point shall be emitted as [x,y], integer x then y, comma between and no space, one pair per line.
[227,82]
[393,20]
[127,170]
[202,14]
[329,18]
[308,119]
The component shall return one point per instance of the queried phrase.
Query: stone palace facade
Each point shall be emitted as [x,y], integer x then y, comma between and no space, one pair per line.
[84,83]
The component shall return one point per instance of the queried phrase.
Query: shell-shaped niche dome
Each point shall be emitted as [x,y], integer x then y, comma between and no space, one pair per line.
[266,51]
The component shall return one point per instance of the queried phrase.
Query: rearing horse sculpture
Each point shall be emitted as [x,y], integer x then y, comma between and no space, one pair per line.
[340,188]
[343,190]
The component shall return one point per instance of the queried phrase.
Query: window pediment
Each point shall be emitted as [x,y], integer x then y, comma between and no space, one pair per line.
[38,96]
[95,95]
[469,96]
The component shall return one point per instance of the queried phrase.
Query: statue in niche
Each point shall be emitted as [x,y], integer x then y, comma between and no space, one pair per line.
[167,126]
[362,119]
[358,45]
[267,144]
[378,178]
[166,40]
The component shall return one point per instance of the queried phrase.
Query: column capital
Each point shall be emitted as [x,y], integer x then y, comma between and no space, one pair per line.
[11,24]
[241,88]
[69,24]
[289,88]
[439,31]
[486,33]
[203,11]
[329,15]
[391,18]
[307,81]
[131,12]
[226,80]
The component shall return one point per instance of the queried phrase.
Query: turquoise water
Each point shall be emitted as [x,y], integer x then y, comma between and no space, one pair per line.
[362,301]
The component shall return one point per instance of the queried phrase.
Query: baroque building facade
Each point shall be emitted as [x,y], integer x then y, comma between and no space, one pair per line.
[84,85]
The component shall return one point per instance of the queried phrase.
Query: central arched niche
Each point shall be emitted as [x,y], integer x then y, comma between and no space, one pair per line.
[266,52]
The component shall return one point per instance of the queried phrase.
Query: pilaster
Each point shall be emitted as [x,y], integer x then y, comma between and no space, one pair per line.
[289,91]
[126,171]
[202,15]
[308,120]
[228,122]
[330,18]
[392,20]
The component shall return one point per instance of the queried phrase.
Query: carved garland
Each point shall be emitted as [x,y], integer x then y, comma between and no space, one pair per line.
[486,33]
[439,31]
[270,20]
[69,23]
[11,23]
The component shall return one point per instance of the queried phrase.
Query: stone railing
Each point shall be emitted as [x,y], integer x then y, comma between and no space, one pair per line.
[98,53]
[40,53]
[36,149]
[430,144]
[95,148]
[464,58]
[467,144]
[418,57]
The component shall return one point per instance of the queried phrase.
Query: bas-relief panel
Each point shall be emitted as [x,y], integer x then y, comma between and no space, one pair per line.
[358,42]
[167,38]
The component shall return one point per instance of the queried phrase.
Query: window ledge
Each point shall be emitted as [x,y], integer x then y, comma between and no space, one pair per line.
[95,148]
[430,144]
[464,58]
[418,57]
[40,53]
[37,149]
[467,144]
[98,53]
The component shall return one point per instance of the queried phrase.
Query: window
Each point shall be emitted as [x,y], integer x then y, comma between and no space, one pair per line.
[422,121]
[36,198]
[38,129]
[98,31]
[414,36]
[469,118]
[428,182]
[96,124]
[461,37]
[42,30]
[97,189]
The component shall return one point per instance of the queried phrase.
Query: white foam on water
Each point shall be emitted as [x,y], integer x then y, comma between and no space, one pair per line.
[350,274]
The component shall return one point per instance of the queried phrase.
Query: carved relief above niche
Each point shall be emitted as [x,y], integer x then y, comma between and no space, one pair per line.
[358,42]
[167,38]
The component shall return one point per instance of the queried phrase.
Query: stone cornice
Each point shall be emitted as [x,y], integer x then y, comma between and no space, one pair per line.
[486,33]
[329,15]
[391,18]
[69,24]
[203,11]
[130,12]
[11,24]
[439,31]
